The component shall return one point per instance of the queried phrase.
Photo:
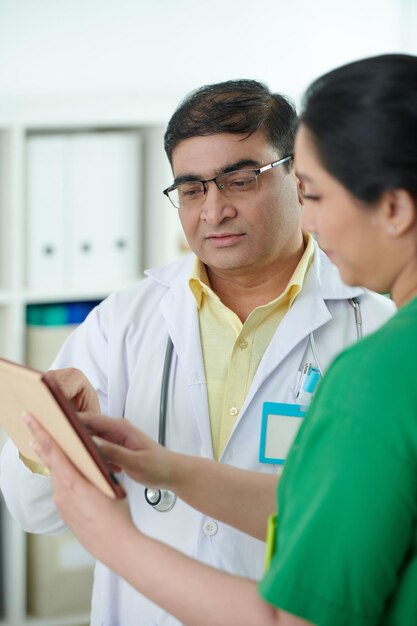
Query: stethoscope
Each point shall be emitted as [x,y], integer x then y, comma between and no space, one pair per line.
[354,302]
[163,499]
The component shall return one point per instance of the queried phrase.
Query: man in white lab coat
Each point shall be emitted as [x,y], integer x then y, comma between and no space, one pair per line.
[255,302]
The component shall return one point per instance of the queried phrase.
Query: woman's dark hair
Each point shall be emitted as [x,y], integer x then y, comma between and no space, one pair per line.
[234,106]
[363,121]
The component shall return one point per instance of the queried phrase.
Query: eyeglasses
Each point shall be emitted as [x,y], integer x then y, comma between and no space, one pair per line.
[192,193]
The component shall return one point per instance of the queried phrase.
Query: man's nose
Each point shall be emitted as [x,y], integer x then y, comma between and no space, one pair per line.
[216,206]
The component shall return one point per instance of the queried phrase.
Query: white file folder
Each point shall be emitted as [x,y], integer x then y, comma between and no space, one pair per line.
[47,205]
[105,195]
[83,209]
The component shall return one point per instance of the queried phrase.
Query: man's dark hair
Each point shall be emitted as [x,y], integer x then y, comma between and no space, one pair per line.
[235,106]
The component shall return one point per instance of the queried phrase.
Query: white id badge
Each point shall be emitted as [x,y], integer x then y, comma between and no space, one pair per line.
[280,424]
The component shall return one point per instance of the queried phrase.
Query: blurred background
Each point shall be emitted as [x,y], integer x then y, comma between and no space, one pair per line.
[86,90]
[164,49]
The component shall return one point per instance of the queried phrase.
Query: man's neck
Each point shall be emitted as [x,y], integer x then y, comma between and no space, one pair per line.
[244,290]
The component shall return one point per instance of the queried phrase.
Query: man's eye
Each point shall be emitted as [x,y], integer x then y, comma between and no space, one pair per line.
[189,191]
[241,183]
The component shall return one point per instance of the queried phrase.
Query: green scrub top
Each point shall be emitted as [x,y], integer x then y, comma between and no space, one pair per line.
[346,540]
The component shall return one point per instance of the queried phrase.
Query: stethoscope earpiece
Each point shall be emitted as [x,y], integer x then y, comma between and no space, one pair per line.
[161,500]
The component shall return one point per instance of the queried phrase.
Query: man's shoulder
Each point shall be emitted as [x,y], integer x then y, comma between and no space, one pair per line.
[174,273]
[156,282]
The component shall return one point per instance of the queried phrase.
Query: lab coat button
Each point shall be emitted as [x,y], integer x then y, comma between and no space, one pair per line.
[210,528]
[243,344]
[233,410]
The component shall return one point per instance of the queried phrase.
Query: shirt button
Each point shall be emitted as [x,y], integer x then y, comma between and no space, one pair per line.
[233,410]
[210,528]
[243,344]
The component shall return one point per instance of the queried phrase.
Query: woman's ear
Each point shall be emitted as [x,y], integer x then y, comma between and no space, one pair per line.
[398,211]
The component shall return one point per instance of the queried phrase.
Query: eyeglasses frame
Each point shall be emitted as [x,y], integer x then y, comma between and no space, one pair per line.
[256,171]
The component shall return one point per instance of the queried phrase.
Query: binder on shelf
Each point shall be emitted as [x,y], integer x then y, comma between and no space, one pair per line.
[83,209]
[46,211]
[105,240]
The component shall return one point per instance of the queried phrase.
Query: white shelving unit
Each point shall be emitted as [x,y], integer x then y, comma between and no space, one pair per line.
[158,239]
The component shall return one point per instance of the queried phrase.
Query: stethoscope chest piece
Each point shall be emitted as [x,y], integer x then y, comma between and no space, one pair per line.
[160,499]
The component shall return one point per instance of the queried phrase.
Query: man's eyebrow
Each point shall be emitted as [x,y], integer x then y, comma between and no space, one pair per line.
[233,167]
[186,178]
[239,165]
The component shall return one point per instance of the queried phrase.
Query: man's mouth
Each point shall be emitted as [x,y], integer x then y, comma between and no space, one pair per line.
[220,240]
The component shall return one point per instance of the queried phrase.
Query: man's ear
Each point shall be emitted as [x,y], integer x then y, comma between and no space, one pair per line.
[398,211]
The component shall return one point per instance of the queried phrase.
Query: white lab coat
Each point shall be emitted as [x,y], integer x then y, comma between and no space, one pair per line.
[121,348]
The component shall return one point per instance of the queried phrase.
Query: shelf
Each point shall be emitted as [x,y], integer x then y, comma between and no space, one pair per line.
[69,620]
[23,298]
[70,295]
[157,242]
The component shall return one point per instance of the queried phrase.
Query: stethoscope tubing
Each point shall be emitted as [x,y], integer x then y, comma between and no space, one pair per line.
[164,392]
[163,500]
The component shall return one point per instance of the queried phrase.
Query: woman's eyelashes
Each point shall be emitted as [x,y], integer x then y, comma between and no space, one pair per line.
[311,196]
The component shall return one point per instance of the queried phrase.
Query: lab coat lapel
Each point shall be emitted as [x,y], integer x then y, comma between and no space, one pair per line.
[181,316]
[308,313]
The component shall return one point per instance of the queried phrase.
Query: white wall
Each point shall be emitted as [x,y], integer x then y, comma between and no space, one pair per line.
[119,61]
[168,47]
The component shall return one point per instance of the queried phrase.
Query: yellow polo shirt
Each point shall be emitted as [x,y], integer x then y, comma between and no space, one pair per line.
[232,351]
